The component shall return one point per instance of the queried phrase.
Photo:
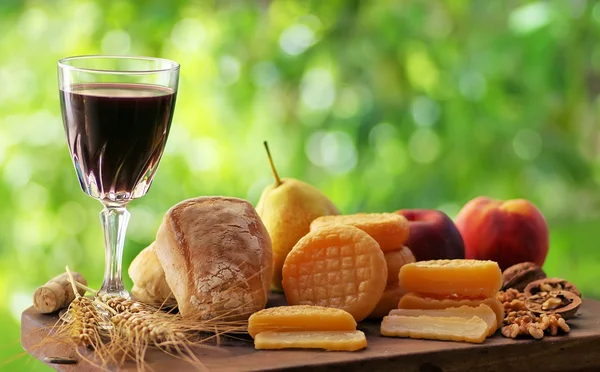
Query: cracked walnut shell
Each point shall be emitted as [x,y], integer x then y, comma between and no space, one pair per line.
[549,285]
[564,303]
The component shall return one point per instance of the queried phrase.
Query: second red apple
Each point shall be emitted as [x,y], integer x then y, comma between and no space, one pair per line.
[433,235]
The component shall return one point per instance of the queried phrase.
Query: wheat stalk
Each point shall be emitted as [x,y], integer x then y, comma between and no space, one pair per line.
[119,329]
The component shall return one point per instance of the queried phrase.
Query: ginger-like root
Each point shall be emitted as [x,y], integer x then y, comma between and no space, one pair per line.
[57,293]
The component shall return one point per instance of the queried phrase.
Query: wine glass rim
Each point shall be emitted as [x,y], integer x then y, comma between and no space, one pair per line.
[64,64]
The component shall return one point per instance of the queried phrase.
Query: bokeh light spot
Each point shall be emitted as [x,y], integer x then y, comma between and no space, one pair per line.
[202,154]
[425,111]
[334,151]
[33,23]
[530,17]
[19,301]
[116,42]
[381,133]
[317,89]
[472,86]
[596,12]
[424,145]
[143,225]
[527,144]
[420,69]
[296,39]
[188,35]
[229,68]
[87,16]
[17,171]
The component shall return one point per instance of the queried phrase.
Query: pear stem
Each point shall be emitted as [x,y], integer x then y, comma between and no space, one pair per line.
[275,174]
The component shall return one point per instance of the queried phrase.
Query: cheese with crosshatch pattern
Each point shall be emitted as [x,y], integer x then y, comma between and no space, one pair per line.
[337,266]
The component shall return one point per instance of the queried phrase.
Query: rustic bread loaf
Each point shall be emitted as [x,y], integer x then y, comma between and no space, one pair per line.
[148,276]
[217,257]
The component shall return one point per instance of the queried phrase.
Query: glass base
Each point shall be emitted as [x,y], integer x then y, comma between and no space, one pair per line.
[113,292]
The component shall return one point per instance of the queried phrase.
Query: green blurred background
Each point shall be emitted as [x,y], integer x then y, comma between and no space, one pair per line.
[381,104]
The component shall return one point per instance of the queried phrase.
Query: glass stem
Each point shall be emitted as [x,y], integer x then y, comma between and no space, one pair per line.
[114,222]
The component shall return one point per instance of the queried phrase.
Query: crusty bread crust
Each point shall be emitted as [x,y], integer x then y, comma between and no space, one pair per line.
[217,257]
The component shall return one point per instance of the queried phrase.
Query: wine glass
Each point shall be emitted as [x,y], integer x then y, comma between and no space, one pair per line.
[117,113]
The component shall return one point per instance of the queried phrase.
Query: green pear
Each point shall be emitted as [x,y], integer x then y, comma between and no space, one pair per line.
[287,208]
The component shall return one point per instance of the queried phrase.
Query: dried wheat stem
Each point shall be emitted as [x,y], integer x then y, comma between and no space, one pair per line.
[72,280]
[88,289]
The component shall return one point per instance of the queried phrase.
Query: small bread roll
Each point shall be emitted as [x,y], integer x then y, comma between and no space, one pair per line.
[148,276]
[217,257]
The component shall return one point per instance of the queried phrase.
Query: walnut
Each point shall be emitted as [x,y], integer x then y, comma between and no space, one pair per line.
[547,285]
[512,300]
[521,274]
[552,323]
[552,303]
[538,314]
[512,316]
[510,294]
[511,331]
[535,331]
[523,325]
[563,302]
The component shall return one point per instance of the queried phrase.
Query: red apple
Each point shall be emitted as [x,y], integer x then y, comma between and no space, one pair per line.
[508,232]
[433,235]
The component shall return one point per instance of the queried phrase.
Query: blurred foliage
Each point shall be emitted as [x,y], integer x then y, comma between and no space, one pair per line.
[381,104]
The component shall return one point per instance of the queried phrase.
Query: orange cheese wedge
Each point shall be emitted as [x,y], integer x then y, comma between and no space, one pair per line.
[482,311]
[435,328]
[472,278]
[300,318]
[387,229]
[328,340]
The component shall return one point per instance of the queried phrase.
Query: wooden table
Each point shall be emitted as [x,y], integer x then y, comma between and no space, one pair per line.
[577,351]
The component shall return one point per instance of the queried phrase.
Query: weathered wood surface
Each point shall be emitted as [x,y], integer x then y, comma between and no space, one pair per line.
[577,351]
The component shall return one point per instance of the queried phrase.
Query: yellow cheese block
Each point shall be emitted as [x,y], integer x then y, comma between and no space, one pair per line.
[435,328]
[416,301]
[328,340]
[472,278]
[390,230]
[300,318]
[482,311]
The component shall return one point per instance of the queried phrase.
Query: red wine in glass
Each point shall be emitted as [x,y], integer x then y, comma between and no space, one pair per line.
[117,113]
[116,135]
